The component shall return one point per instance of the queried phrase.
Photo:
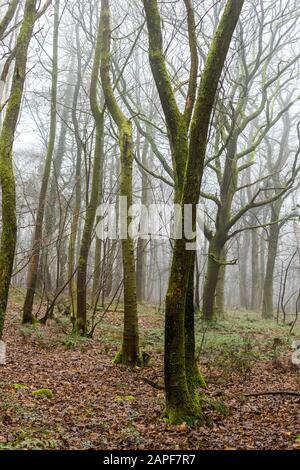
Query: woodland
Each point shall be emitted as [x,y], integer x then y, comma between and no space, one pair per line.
[150,225]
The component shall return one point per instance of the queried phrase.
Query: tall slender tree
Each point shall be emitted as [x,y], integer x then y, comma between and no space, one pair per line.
[38,232]
[129,354]
[87,235]
[7,178]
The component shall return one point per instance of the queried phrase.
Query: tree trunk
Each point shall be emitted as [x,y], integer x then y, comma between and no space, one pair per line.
[98,114]
[53,195]
[77,204]
[243,260]
[7,179]
[255,284]
[220,289]
[38,233]
[97,270]
[193,375]
[268,310]
[140,269]
[189,150]
[10,12]
[129,353]
[141,252]
[81,319]
[211,280]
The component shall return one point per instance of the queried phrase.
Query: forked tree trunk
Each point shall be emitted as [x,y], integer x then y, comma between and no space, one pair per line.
[181,405]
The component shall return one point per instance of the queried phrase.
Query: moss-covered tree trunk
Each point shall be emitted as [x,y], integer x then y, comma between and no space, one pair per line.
[181,371]
[7,179]
[38,232]
[193,375]
[98,114]
[188,152]
[129,353]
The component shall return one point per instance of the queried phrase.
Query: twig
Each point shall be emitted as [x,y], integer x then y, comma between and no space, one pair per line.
[274,392]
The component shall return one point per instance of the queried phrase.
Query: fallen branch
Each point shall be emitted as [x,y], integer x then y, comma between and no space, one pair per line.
[156,385]
[275,392]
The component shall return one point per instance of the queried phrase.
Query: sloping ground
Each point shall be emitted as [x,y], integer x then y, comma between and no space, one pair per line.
[91,404]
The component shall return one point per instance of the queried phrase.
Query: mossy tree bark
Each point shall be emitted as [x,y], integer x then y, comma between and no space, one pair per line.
[129,354]
[38,232]
[193,375]
[187,375]
[7,179]
[188,152]
[98,114]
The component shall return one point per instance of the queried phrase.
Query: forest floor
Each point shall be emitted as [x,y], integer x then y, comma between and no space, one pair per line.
[58,391]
